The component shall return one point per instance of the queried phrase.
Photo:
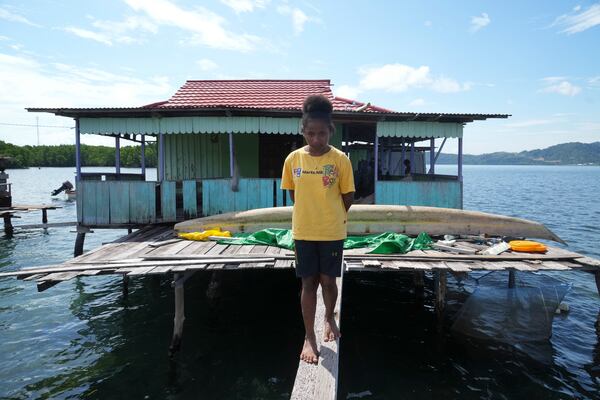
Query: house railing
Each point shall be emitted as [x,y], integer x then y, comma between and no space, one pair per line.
[434,193]
[106,203]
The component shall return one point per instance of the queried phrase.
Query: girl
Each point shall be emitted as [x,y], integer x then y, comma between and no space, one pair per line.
[319,178]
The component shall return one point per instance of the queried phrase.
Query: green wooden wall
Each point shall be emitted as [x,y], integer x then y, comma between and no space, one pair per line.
[207,156]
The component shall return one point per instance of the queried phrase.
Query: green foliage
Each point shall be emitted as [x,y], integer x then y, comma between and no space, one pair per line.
[64,155]
[560,154]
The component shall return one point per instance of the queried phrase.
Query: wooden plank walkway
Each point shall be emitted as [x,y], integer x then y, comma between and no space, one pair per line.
[155,250]
[320,382]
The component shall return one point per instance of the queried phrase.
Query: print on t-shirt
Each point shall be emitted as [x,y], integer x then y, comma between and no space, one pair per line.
[330,174]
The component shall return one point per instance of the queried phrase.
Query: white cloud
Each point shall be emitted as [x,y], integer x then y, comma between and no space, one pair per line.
[86,34]
[240,6]
[595,81]
[529,123]
[206,27]
[207,65]
[4,38]
[565,88]
[479,22]
[110,32]
[400,77]
[347,91]
[26,82]
[577,8]
[299,18]
[12,17]
[394,77]
[552,79]
[447,85]
[579,21]
[417,103]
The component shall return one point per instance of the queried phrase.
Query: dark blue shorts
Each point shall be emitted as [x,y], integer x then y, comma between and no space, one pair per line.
[318,257]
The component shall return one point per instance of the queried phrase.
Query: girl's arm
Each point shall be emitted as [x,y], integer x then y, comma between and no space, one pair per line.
[347,198]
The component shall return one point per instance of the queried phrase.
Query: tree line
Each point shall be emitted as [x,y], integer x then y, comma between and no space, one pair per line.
[64,155]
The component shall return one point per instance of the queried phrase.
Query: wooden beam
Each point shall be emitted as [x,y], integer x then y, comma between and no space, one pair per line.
[440,283]
[320,382]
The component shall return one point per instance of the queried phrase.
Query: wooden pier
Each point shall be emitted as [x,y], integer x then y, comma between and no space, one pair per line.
[8,213]
[155,250]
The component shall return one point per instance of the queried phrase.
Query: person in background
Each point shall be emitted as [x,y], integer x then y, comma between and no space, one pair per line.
[406,167]
[321,184]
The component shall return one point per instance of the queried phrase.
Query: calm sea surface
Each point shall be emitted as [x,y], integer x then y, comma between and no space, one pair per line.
[243,330]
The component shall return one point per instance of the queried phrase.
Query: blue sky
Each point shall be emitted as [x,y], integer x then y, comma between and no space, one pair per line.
[536,60]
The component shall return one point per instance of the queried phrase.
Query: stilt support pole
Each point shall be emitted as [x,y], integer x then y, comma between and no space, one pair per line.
[419,282]
[8,226]
[178,284]
[597,275]
[79,244]
[44,216]
[125,286]
[440,291]
[511,278]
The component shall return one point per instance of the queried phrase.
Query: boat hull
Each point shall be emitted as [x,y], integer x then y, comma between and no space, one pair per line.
[367,219]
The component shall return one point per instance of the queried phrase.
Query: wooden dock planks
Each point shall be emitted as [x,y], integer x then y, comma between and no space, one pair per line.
[319,382]
[121,256]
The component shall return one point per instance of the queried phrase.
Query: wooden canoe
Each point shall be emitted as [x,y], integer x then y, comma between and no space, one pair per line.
[365,219]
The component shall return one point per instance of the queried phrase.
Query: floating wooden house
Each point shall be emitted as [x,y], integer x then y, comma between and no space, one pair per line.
[221,146]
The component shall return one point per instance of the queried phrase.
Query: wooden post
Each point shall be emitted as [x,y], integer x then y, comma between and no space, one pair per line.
[8,227]
[402,157]
[178,284]
[79,244]
[460,169]
[44,216]
[77,152]
[419,282]
[432,156]
[125,287]
[143,156]
[231,165]
[161,157]
[118,156]
[412,156]
[597,275]
[440,292]
[511,278]
[376,167]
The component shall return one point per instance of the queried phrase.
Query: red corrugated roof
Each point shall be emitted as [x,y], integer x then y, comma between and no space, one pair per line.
[257,94]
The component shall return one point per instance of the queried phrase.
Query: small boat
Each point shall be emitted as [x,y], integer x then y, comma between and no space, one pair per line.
[71,194]
[66,187]
[365,219]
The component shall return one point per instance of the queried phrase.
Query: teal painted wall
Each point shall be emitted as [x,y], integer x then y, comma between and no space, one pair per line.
[217,196]
[196,156]
[425,193]
[116,202]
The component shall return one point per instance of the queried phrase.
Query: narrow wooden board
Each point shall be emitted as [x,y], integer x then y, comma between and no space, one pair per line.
[140,271]
[319,382]
[160,270]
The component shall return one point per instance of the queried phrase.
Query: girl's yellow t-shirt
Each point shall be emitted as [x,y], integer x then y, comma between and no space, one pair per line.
[318,184]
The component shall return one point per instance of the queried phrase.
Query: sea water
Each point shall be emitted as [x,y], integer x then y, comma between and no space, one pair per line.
[243,330]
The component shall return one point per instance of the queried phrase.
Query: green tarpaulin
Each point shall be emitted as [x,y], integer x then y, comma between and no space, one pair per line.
[383,243]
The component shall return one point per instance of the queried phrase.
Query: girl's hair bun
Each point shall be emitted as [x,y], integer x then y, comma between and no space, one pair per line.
[317,104]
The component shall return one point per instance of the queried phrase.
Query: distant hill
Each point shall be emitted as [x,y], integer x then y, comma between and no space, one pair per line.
[561,154]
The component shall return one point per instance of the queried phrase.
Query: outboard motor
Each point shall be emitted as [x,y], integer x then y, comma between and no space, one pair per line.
[65,186]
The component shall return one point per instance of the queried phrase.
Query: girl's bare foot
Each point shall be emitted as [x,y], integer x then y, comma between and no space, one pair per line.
[331,331]
[309,350]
